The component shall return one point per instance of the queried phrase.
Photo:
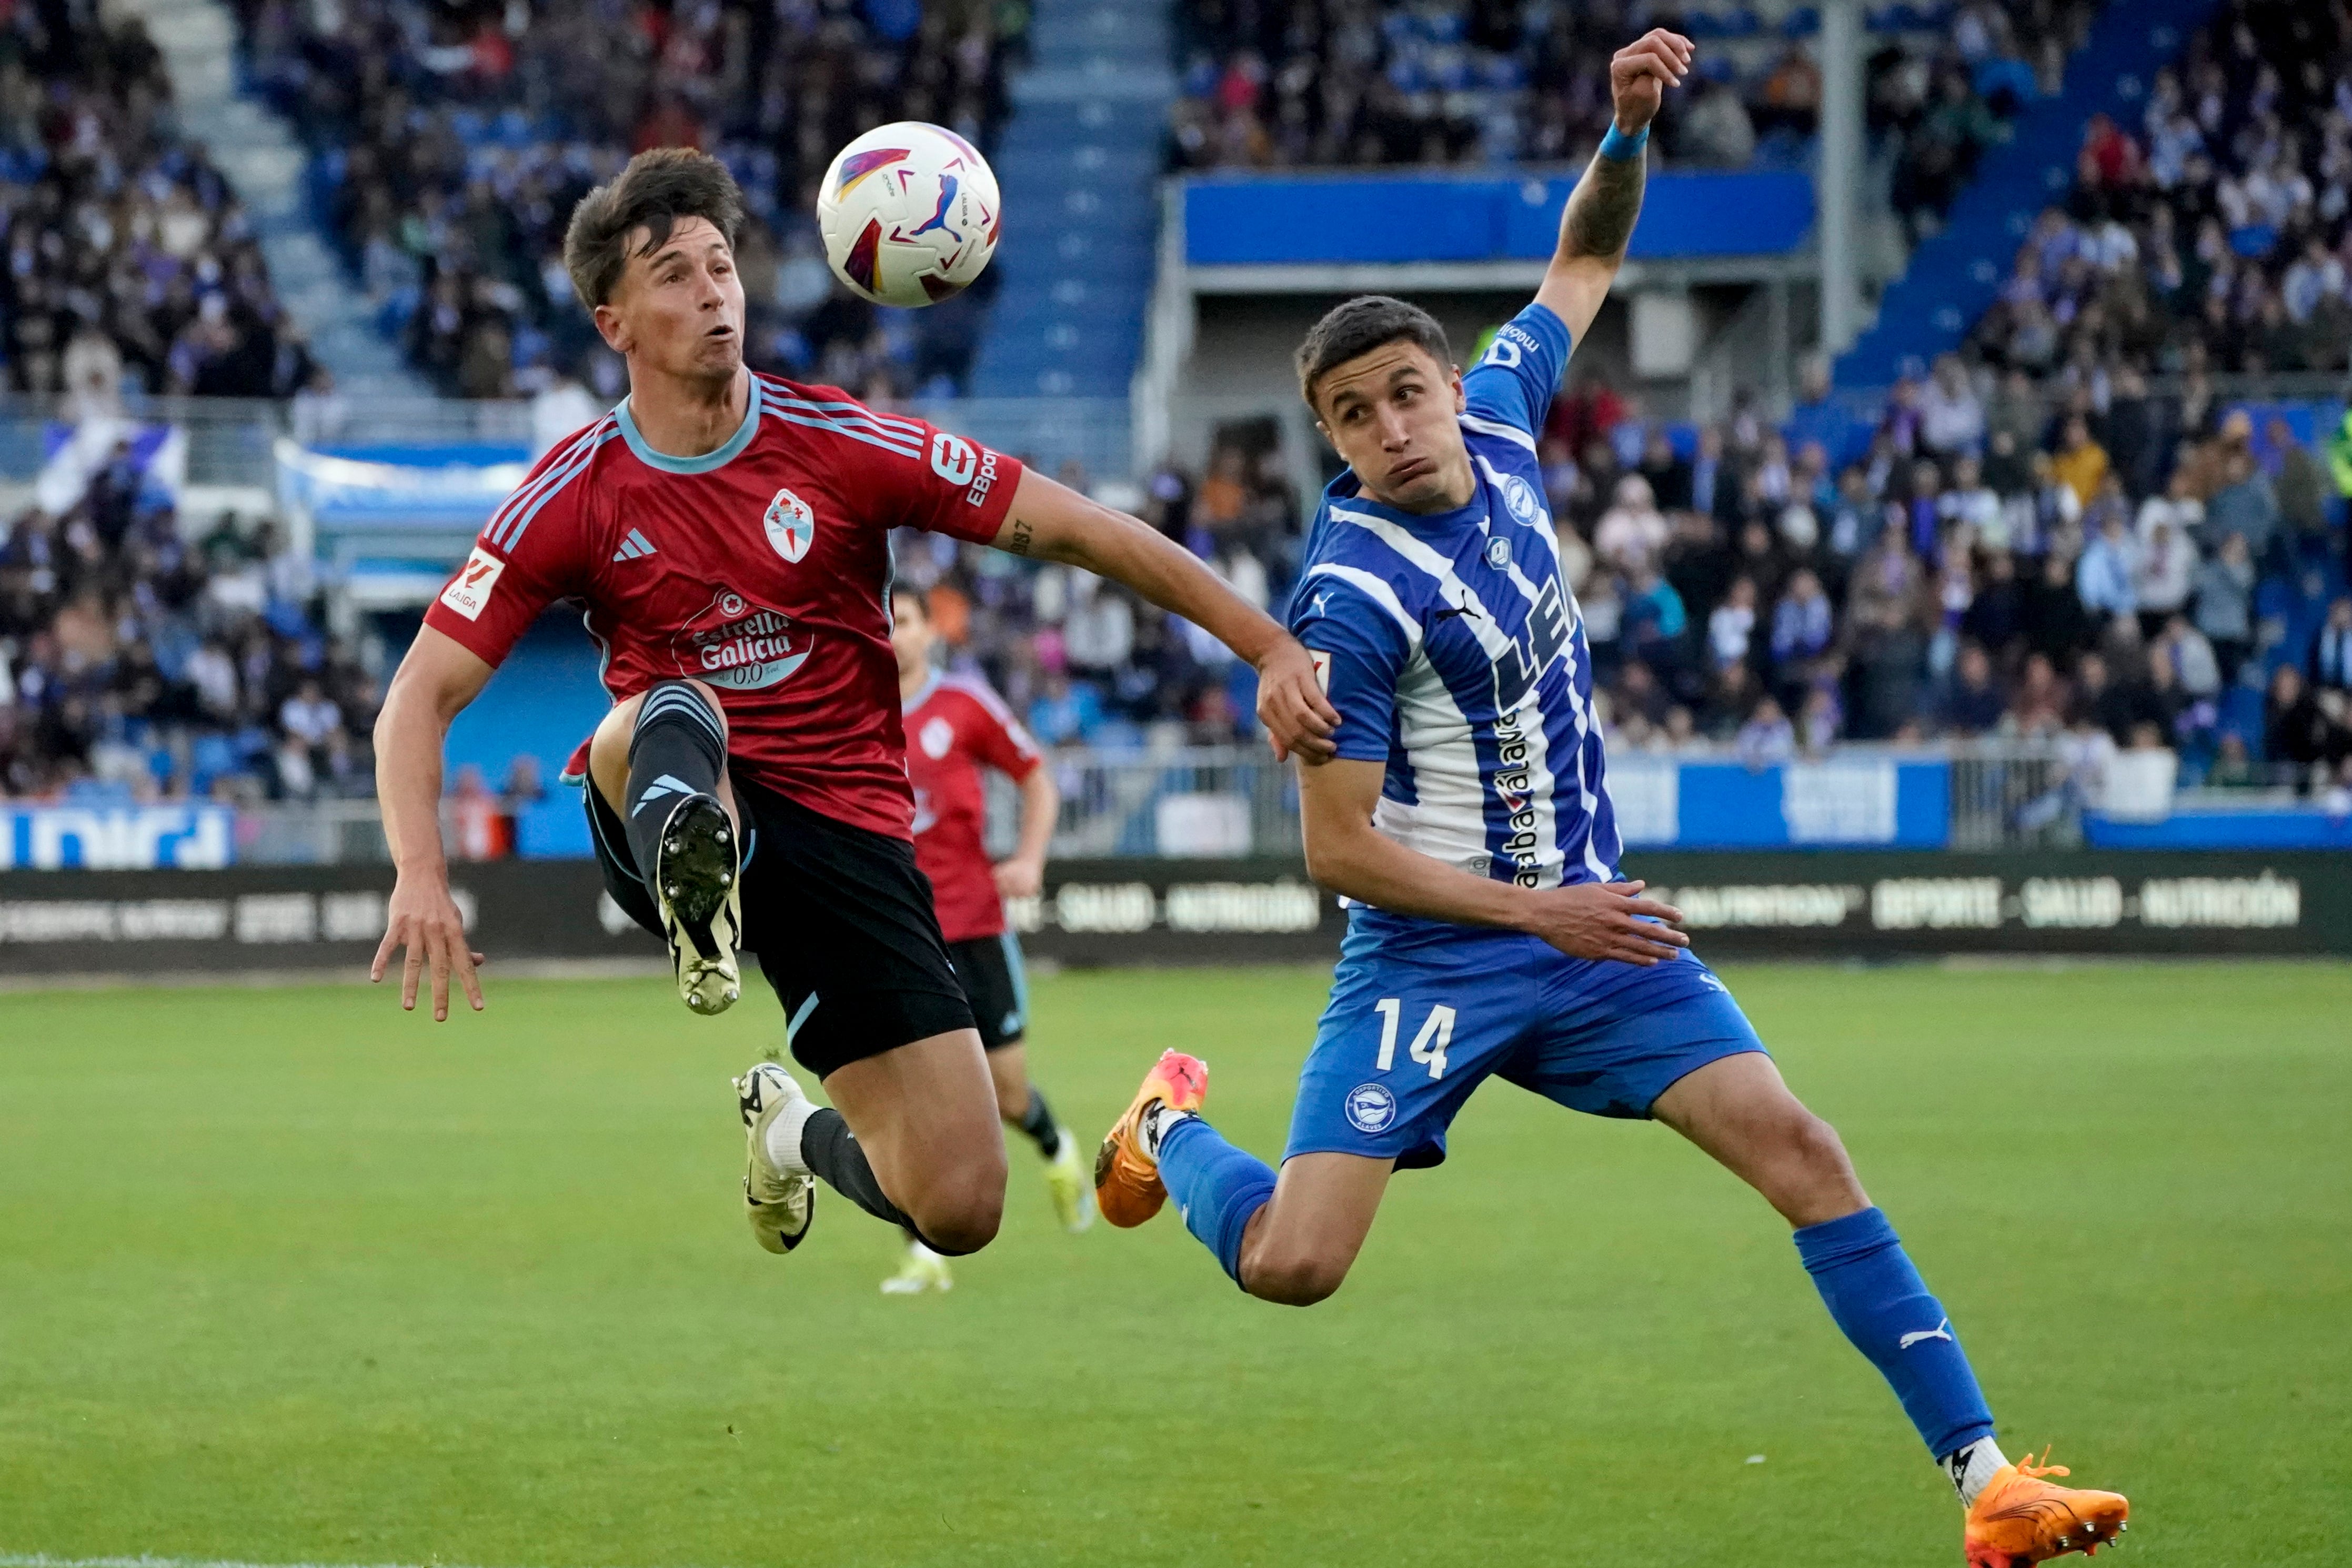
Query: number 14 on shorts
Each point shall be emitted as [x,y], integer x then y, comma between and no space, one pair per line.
[1428,1046]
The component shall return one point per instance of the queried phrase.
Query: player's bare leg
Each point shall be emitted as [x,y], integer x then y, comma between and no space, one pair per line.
[1019,1106]
[1298,1249]
[660,761]
[920,1142]
[1288,1238]
[1738,1111]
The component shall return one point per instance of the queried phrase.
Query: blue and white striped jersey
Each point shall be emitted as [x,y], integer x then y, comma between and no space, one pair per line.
[1456,656]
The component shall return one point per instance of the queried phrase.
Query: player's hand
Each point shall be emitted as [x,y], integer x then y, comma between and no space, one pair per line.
[1640,73]
[1610,919]
[424,919]
[1298,719]
[1020,879]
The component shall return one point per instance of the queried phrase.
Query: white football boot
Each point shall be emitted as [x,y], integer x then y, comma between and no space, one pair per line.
[923,1270]
[696,885]
[780,1203]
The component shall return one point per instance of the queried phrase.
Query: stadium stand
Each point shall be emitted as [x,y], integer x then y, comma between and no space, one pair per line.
[450,143]
[2063,530]
[131,264]
[1327,82]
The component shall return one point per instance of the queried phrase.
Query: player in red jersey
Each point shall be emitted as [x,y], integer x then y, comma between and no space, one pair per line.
[956,727]
[727,533]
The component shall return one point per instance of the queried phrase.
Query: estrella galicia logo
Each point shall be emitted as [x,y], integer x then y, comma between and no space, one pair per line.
[1520,499]
[1370,1108]
[740,644]
[790,525]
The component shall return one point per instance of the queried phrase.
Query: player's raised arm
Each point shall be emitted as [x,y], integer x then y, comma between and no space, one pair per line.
[1052,522]
[1598,221]
[434,682]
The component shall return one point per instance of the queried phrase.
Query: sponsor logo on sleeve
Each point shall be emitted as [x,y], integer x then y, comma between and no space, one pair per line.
[953,458]
[469,590]
[986,481]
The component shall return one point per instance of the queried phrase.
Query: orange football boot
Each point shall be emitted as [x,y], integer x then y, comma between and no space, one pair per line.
[2020,1518]
[1128,1189]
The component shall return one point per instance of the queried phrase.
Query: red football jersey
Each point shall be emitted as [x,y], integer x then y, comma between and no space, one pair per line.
[760,568]
[954,728]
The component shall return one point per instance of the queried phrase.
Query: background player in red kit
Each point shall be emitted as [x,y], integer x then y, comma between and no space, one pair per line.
[728,534]
[956,727]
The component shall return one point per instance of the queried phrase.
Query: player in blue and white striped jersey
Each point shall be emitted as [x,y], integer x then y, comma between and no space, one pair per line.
[1467,818]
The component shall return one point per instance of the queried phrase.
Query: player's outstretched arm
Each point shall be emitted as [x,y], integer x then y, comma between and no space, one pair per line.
[434,682]
[1346,853]
[1598,221]
[1054,523]
[1022,874]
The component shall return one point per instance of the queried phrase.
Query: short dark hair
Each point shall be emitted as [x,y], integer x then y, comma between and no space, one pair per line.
[1358,327]
[909,591]
[659,187]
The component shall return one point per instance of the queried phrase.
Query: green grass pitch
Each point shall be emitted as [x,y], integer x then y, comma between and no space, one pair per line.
[286,1276]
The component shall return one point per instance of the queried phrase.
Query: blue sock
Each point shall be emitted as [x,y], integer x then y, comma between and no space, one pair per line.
[1216,1187]
[1879,1299]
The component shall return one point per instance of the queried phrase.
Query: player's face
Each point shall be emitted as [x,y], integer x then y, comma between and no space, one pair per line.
[911,636]
[679,309]
[1391,415]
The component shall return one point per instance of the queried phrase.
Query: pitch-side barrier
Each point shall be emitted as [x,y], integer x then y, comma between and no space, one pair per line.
[1836,905]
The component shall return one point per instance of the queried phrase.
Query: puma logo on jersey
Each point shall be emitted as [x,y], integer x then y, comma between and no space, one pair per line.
[633,547]
[1942,1331]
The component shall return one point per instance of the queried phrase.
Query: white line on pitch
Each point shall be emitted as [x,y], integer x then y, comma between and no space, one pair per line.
[43,1560]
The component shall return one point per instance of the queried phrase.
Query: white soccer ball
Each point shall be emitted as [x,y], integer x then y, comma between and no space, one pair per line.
[909,213]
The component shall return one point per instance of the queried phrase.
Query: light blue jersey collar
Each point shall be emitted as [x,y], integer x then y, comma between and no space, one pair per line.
[708,460]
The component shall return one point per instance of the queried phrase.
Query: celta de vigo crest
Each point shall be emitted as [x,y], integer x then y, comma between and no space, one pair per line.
[791,526]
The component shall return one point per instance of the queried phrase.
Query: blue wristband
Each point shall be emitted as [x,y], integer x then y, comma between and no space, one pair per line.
[1618,146]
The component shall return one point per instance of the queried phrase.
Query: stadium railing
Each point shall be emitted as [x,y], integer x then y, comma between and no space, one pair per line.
[1236,802]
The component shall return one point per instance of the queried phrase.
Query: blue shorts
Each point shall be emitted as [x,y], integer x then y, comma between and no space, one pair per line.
[1421,1013]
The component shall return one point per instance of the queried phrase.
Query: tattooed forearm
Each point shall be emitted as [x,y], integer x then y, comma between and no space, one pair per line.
[1602,209]
[1017,542]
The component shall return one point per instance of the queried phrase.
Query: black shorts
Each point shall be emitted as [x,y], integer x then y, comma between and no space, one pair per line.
[994,978]
[840,916]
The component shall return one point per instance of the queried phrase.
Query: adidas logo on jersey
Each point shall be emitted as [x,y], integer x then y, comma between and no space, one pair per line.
[633,547]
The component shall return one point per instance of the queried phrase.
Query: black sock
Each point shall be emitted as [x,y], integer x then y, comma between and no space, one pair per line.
[677,749]
[1038,1123]
[831,1149]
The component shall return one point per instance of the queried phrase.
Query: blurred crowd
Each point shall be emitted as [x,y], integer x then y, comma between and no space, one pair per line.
[1368,82]
[1990,557]
[1084,661]
[452,138]
[131,263]
[139,664]
[2215,234]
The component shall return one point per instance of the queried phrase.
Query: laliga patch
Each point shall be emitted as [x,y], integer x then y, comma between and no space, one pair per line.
[1322,669]
[469,590]
[790,525]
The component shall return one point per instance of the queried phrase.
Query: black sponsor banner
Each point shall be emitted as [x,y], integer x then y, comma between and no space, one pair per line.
[1873,904]
[1862,904]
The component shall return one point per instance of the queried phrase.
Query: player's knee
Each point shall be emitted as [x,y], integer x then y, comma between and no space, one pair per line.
[960,1210]
[1815,1145]
[1293,1278]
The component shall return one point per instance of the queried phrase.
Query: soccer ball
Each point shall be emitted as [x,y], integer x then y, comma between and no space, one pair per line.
[909,213]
